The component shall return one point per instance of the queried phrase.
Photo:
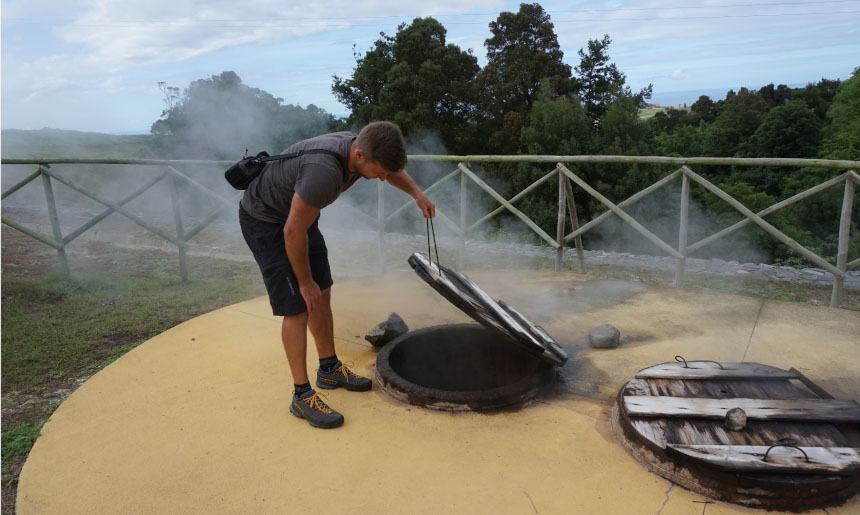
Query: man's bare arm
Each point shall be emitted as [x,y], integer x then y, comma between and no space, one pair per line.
[302,215]
[403,182]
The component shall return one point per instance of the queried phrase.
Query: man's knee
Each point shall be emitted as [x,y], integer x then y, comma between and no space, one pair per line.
[297,319]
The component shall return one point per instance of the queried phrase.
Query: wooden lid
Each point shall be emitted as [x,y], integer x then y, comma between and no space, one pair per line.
[799,448]
[497,316]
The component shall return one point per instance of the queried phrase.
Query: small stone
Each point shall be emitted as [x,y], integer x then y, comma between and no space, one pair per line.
[604,337]
[736,419]
[386,331]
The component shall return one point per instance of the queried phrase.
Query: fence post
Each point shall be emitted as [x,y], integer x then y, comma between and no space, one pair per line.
[682,231]
[180,231]
[380,221]
[55,223]
[574,225]
[463,205]
[559,228]
[842,251]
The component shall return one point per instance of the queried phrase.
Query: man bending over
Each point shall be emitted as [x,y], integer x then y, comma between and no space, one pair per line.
[279,216]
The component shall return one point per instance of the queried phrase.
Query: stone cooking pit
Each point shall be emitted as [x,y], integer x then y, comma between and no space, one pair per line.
[505,361]
[460,367]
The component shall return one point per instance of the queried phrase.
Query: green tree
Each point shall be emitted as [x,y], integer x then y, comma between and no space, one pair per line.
[622,132]
[775,96]
[522,55]
[790,130]
[219,117]
[669,120]
[817,96]
[703,109]
[739,116]
[558,125]
[416,80]
[599,82]
[842,135]
[684,142]
[360,93]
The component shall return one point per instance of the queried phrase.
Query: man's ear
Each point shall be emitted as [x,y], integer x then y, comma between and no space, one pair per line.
[359,153]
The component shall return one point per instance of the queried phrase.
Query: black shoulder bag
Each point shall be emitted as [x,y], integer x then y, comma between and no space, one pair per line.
[242,173]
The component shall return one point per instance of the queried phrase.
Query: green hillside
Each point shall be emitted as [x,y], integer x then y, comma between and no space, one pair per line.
[74,144]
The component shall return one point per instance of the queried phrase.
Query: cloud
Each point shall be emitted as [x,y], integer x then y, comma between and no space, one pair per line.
[291,49]
[100,37]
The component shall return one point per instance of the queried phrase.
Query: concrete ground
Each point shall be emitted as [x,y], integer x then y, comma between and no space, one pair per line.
[195,420]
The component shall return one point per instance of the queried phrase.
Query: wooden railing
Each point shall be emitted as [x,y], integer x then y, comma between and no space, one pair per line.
[566,180]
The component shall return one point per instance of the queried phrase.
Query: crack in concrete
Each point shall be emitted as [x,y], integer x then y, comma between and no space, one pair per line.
[749,342]
[531,501]
[671,486]
[359,343]
[592,417]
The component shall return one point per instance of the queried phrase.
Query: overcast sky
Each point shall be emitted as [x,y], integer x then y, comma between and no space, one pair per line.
[95,65]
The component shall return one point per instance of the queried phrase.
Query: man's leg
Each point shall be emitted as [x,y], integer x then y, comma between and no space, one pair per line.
[321,324]
[336,374]
[294,336]
[307,405]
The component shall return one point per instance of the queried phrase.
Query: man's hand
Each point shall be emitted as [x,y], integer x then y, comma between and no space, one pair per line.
[311,293]
[402,181]
[427,207]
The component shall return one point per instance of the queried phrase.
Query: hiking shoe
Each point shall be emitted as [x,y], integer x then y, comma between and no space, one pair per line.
[312,408]
[342,376]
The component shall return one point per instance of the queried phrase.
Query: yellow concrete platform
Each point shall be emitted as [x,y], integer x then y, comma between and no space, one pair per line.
[196,421]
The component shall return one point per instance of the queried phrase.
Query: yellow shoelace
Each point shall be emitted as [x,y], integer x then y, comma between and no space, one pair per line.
[317,404]
[346,372]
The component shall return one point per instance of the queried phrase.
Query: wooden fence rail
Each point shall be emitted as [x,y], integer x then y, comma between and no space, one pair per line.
[461,228]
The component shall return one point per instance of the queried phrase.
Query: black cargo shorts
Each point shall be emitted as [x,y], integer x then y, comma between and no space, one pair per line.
[266,241]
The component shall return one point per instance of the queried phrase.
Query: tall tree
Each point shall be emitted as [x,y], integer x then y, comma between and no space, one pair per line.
[360,93]
[557,126]
[599,82]
[818,96]
[415,79]
[739,116]
[703,109]
[790,130]
[219,117]
[522,55]
[842,136]
[775,96]
[670,120]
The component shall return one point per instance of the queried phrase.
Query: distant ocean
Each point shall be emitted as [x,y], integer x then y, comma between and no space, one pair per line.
[679,98]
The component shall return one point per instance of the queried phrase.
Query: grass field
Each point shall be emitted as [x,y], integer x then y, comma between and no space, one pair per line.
[75,144]
[650,111]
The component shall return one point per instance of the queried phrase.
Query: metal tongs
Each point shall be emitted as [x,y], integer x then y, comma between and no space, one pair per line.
[436,247]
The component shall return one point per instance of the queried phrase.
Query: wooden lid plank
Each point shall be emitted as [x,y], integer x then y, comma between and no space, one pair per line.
[712,370]
[750,458]
[756,409]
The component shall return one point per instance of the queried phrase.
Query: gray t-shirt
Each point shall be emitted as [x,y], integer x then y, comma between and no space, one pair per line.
[318,178]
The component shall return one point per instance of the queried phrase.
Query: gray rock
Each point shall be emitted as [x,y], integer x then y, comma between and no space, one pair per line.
[386,331]
[736,419]
[604,337]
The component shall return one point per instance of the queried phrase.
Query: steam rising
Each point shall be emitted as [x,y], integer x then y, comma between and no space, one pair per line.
[351,237]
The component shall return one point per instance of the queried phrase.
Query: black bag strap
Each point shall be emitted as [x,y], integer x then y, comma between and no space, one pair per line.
[302,152]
